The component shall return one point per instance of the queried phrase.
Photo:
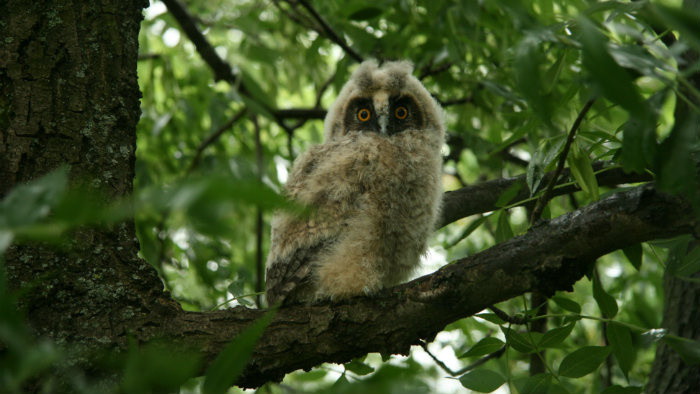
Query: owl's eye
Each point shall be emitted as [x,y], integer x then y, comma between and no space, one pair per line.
[363,115]
[401,113]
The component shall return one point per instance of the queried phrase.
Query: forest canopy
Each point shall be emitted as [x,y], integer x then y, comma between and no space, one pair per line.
[558,113]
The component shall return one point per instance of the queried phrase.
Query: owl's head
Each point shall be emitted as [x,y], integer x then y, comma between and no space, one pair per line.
[387,100]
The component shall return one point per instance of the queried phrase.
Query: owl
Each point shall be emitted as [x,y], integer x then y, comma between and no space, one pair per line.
[373,187]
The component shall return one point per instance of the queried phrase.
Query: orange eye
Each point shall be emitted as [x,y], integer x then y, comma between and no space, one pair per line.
[401,113]
[363,115]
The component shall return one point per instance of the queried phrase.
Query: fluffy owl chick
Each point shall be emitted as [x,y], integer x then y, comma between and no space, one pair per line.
[373,185]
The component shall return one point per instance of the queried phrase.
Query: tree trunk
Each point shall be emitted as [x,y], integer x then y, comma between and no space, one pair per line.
[69,95]
[669,374]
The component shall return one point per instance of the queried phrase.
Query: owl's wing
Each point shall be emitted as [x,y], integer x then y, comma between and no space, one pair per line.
[298,242]
[289,277]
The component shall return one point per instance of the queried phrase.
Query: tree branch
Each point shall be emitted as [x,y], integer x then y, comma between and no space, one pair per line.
[215,136]
[330,33]
[222,70]
[551,256]
[480,198]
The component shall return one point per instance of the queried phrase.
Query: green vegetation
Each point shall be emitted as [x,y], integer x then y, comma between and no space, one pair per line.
[526,86]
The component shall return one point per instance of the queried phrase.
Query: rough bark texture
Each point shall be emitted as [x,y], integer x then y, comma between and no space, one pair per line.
[68,94]
[669,374]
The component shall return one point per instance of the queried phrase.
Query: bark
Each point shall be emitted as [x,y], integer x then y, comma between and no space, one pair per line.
[669,373]
[69,95]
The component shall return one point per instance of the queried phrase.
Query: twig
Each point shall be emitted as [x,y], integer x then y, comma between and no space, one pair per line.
[547,195]
[330,33]
[508,318]
[538,302]
[215,136]
[463,100]
[259,264]
[428,70]
[301,113]
[324,87]
[469,367]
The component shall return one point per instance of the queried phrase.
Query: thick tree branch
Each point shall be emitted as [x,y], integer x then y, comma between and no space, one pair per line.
[551,256]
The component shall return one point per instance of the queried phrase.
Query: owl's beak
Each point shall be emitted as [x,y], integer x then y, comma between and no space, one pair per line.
[383,121]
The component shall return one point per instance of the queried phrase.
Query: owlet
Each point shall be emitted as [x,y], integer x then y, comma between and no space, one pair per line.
[373,187]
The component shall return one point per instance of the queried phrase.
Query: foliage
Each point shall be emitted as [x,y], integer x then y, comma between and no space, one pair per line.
[513,77]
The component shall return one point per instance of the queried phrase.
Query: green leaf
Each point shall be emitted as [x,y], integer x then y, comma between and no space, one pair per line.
[620,340]
[482,380]
[228,365]
[689,350]
[536,384]
[676,169]
[468,230]
[508,194]
[157,368]
[258,100]
[484,347]
[358,367]
[685,20]
[503,230]
[617,389]
[528,58]
[582,170]
[491,317]
[365,14]
[583,361]
[606,303]
[556,336]
[634,255]
[518,341]
[685,265]
[567,304]
[611,79]
[28,203]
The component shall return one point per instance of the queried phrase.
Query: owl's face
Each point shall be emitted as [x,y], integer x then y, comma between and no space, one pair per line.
[385,100]
[383,114]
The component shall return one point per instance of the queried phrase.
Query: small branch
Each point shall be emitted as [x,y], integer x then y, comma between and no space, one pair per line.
[215,136]
[469,367]
[301,113]
[259,263]
[330,33]
[547,195]
[222,70]
[480,197]
[324,87]
[538,302]
[448,103]
[508,318]
[428,70]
